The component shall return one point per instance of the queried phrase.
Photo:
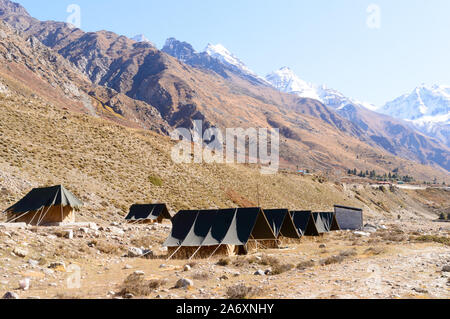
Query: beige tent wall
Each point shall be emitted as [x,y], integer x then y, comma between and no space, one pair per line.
[203,252]
[53,215]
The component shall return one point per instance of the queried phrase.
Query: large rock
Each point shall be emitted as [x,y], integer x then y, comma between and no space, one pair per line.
[184,283]
[24,284]
[134,252]
[20,252]
[10,295]
[446,268]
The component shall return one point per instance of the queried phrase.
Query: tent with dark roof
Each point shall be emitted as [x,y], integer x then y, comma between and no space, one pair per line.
[320,224]
[45,206]
[148,213]
[304,222]
[349,218]
[329,220]
[182,223]
[280,220]
[224,231]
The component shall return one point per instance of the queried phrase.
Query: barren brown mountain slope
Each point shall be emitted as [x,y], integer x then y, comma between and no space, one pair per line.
[111,167]
[42,72]
[314,136]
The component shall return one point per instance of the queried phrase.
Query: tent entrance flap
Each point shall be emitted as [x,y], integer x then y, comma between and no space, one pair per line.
[282,224]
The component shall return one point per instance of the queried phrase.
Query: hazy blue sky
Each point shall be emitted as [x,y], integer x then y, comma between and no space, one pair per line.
[323,41]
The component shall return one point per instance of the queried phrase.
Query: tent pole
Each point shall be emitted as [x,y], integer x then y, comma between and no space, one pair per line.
[179,247]
[39,222]
[214,251]
[195,253]
[16,218]
[31,221]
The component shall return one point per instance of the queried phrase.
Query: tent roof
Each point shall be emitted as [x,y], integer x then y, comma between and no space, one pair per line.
[148,211]
[330,221]
[182,223]
[38,198]
[347,207]
[280,220]
[234,226]
[320,223]
[304,223]
[200,228]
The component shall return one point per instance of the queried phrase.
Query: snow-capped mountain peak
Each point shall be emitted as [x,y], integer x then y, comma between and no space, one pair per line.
[218,51]
[424,101]
[140,38]
[286,80]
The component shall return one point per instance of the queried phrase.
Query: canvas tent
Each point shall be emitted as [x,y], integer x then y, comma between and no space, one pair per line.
[326,222]
[280,220]
[320,224]
[148,213]
[304,222]
[45,206]
[330,222]
[349,218]
[226,231]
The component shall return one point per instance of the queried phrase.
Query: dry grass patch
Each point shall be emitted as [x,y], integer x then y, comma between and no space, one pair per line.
[243,292]
[433,239]
[281,268]
[305,265]
[106,247]
[374,251]
[201,276]
[137,285]
[224,262]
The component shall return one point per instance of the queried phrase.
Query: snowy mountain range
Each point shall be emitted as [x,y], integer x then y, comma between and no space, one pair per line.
[427,108]
[285,80]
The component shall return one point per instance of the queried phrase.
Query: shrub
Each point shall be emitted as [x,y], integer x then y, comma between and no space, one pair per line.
[268,261]
[242,292]
[278,269]
[374,251]
[137,285]
[305,265]
[224,262]
[332,260]
[348,253]
[156,181]
[201,276]
[435,239]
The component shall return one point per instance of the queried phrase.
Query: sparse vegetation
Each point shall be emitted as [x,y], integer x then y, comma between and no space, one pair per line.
[224,262]
[278,269]
[305,265]
[137,285]
[156,181]
[433,239]
[243,292]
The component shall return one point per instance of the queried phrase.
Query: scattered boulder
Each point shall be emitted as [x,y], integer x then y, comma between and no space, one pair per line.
[134,252]
[20,252]
[259,272]
[187,268]
[446,268]
[24,284]
[322,246]
[10,295]
[184,283]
